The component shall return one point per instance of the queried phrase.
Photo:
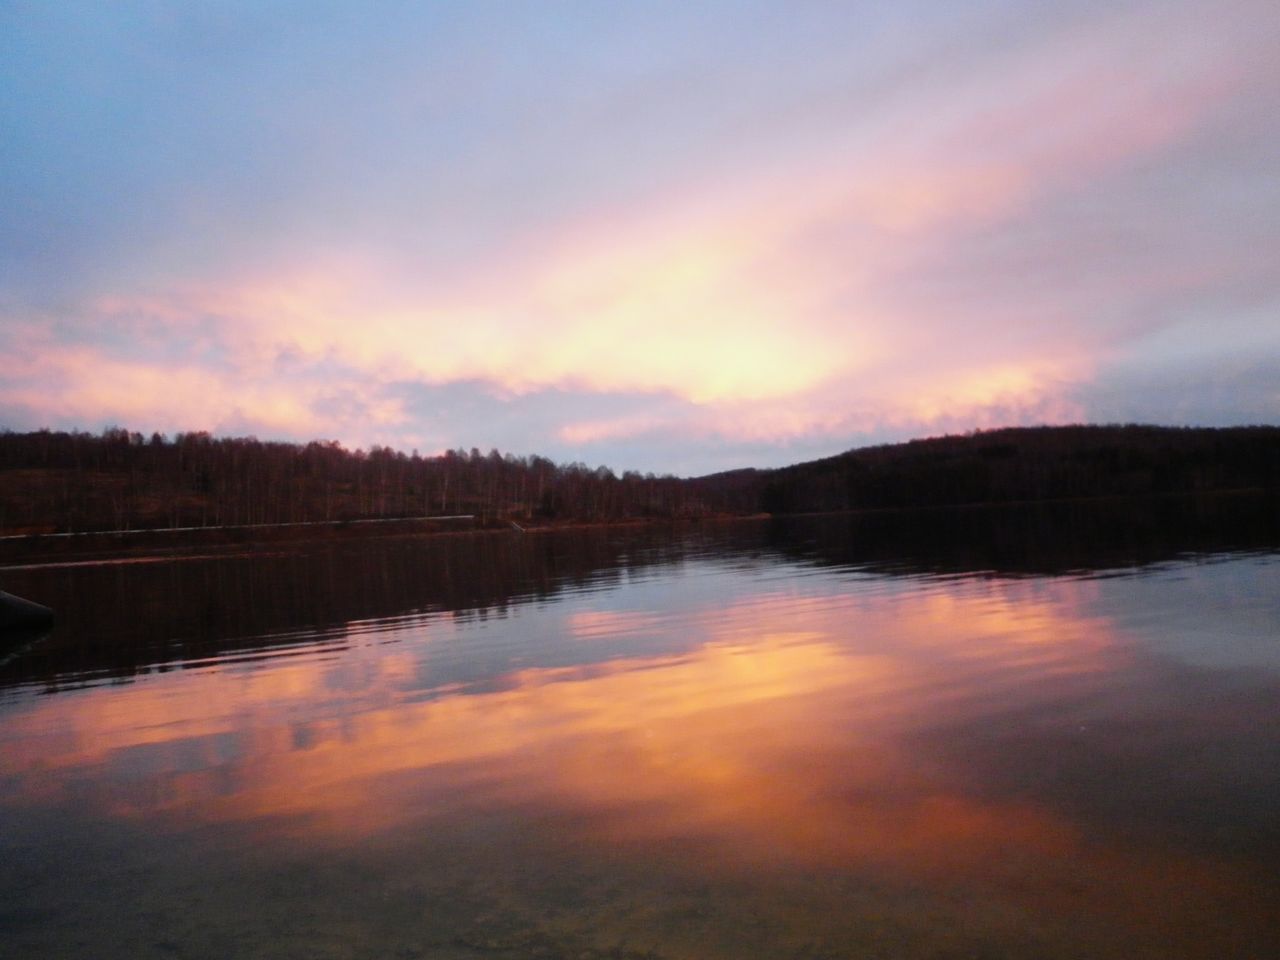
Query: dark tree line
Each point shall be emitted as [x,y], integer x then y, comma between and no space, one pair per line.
[58,482]
[118,480]
[1031,463]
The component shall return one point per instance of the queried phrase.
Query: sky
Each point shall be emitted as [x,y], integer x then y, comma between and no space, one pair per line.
[671,237]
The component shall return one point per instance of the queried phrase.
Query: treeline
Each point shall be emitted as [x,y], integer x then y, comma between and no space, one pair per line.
[1031,463]
[122,480]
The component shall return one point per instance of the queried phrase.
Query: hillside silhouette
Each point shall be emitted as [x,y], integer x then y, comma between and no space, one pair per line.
[1030,463]
[57,482]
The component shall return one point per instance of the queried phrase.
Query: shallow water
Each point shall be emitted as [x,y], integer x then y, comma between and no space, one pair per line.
[745,740]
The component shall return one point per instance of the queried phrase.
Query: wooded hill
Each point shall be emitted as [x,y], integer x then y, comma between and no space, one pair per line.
[1030,463]
[64,482]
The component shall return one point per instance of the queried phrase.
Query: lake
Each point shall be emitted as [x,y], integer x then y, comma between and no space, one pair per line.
[1042,733]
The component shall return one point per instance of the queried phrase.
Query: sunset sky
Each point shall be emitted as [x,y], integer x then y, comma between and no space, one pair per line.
[661,236]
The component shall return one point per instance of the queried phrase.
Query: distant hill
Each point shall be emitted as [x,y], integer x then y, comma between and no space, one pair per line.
[1030,463]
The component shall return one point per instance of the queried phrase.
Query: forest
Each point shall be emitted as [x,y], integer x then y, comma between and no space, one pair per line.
[122,480]
[1029,464]
[60,482]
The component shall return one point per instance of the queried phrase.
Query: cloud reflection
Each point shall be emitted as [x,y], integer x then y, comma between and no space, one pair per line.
[760,737]
[798,730]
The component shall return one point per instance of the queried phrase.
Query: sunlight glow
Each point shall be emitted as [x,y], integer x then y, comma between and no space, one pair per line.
[972,250]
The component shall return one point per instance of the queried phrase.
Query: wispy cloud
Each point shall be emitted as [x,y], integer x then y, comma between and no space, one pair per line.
[970,231]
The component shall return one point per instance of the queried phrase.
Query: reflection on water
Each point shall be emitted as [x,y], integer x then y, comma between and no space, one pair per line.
[740,742]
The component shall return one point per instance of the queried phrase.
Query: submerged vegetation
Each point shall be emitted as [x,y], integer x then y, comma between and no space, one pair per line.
[55,482]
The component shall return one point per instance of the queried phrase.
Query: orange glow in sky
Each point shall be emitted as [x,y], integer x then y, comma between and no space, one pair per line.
[876,231]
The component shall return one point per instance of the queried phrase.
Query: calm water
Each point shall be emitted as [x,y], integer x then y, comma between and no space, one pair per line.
[944,736]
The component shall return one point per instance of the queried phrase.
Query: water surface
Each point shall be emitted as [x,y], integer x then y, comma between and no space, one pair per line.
[923,737]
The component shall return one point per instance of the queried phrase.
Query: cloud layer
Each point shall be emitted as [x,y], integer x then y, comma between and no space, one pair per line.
[669,240]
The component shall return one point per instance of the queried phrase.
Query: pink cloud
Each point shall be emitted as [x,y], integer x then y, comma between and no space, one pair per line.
[584,432]
[87,385]
[813,297]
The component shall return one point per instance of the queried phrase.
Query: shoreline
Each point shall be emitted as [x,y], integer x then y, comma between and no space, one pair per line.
[194,542]
[19,552]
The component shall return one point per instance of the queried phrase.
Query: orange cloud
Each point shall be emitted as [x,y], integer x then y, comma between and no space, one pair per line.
[780,301]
